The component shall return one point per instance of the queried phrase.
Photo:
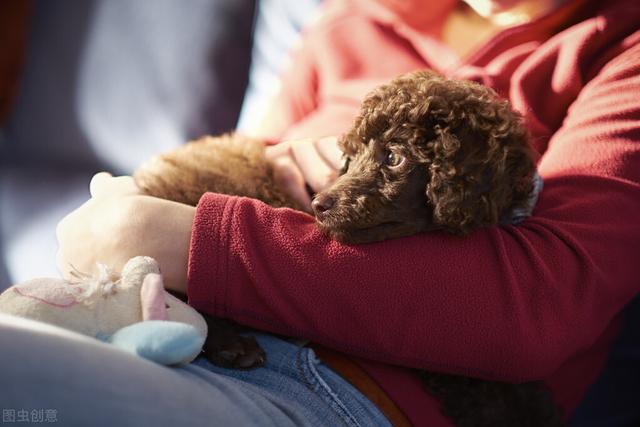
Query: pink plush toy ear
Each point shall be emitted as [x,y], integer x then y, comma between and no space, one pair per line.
[152,298]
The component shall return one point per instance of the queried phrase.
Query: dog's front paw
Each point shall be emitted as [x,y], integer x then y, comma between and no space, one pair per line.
[226,348]
[234,351]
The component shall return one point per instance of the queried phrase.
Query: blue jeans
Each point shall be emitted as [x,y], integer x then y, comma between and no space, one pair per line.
[79,381]
[294,377]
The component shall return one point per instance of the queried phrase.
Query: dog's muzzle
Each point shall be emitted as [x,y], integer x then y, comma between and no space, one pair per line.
[322,204]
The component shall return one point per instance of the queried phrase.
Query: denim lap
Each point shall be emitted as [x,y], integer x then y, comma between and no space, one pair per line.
[294,377]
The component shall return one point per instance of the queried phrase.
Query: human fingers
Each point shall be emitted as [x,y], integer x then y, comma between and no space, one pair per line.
[317,172]
[328,149]
[104,183]
[288,175]
[277,150]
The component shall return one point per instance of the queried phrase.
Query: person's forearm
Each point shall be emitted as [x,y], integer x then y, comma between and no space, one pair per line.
[167,238]
[118,223]
[510,303]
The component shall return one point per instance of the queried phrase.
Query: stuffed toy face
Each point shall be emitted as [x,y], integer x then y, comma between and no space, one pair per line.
[116,309]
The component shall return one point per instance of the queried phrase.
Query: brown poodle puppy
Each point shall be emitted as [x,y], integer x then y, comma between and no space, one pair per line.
[425,153]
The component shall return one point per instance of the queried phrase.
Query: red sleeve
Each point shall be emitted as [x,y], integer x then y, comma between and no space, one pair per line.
[510,303]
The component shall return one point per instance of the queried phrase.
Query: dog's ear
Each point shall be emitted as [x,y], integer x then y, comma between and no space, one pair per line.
[453,208]
[461,185]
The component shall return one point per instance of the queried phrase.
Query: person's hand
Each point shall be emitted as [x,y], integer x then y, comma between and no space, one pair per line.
[312,162]
[118,223]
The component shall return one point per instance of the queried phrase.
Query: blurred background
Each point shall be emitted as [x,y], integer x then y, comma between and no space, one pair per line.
[91,85]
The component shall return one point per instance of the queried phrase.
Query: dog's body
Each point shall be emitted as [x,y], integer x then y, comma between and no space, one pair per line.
[425,153]
[229,164]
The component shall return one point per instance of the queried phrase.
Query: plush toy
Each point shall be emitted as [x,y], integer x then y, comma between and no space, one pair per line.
[132,311]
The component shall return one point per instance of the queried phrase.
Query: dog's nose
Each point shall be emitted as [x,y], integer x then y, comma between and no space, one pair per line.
[322,203]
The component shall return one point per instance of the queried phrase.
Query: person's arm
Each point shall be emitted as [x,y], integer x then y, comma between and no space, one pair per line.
[117,223]
[510,303]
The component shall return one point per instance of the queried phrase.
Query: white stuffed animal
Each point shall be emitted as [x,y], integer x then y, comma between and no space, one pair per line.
[132,311]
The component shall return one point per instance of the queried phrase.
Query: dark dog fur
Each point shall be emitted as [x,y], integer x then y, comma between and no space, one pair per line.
[425,153]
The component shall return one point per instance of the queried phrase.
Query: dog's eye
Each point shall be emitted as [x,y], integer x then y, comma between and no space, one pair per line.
[394,160]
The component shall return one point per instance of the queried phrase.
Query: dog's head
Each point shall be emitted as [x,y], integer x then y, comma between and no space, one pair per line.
[427,153]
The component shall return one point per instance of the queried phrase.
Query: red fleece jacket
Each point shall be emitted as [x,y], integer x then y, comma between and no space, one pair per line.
[541,300]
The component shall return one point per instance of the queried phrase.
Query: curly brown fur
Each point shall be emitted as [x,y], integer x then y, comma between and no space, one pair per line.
[425,153]
[464,157]
[229,164]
